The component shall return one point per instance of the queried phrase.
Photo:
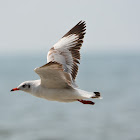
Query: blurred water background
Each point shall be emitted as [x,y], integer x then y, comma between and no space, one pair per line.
[110,64]
[115,75]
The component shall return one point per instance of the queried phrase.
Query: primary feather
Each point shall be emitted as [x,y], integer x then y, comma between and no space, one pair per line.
[67,50]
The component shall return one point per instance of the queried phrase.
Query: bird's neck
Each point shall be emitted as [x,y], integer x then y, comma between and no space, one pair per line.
[35,86]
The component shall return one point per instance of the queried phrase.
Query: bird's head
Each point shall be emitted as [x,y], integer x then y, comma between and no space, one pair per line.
[25,86]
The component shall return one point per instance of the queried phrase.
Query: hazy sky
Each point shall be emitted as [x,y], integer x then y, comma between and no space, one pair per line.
[27,25]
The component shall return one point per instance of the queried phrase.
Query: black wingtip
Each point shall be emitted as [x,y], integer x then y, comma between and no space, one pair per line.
[78,29]
[81,22]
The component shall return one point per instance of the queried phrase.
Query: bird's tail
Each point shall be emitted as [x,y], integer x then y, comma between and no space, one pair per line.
[97,95]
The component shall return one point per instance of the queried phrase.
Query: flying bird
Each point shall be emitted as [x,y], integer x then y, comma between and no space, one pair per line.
[57,77]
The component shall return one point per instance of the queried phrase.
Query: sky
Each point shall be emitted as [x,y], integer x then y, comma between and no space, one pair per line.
[35,25]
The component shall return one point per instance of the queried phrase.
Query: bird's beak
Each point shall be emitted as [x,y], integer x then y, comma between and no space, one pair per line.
[14,89]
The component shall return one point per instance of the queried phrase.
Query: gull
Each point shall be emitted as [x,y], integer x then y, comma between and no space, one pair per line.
[57,77]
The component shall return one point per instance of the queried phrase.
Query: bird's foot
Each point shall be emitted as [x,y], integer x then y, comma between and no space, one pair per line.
[86,102]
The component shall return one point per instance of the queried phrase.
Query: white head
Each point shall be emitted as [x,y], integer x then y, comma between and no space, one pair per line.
[25,86]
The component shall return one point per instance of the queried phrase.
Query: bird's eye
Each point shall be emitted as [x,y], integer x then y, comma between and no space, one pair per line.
[23,86]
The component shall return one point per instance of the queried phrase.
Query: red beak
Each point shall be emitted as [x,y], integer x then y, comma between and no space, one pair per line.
[14,89]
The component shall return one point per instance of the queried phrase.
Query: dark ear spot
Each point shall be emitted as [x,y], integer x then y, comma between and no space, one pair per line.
[28,86]
[23,86]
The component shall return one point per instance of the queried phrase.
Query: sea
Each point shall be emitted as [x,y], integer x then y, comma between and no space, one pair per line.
[116,75]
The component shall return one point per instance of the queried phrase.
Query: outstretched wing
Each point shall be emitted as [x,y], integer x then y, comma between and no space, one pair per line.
[53,76]
[66,50]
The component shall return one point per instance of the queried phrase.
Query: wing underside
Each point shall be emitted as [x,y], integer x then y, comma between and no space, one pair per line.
[53,76]
[67,50]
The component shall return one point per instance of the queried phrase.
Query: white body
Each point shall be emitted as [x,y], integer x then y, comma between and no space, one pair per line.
[61,95]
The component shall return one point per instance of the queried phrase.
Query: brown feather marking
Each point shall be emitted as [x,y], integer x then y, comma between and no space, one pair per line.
[54,65]
[79,30]
[75,46]
[52,50]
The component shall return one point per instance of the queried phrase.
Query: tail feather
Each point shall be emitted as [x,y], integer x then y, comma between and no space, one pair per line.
[97,95]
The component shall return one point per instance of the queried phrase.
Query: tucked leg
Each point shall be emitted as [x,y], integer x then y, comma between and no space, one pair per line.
[86,102]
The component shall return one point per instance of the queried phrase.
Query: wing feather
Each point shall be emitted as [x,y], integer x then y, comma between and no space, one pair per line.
[67,50]
[53,76]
